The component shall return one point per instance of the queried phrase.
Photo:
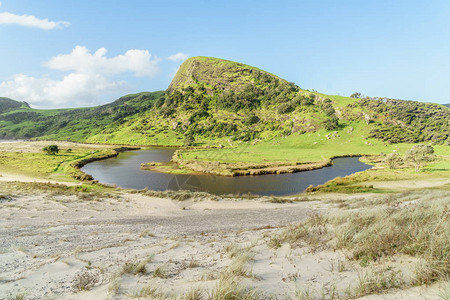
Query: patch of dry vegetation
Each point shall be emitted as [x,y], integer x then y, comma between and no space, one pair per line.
[416,224]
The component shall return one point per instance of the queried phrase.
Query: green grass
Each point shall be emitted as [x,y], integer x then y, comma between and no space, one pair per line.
[45,166]
[308,147]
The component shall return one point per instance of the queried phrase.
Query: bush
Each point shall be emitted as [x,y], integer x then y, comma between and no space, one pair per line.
[419,154]
[393,160]
[251,119]
[331,123]
[51,149]
[189,140]
[285,108]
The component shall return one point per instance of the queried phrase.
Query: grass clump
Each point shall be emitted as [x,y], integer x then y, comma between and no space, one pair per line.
[417,229]
[160,272]
[229,287]
[149,291]
[373,282]
[194,293]
[312,233]
[20,296]
[414,224]
[136,267]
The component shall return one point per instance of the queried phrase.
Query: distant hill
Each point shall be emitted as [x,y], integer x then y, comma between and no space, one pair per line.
[21,121]
[448,105]
[213,101]
[7,105]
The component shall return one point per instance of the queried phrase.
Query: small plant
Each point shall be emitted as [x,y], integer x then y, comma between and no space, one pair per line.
[193,294]
[228,287]
[85,280]
[160,272]
[114,284]
[51,149]
[20,296]
[371,282]
[149,291]
[135,267]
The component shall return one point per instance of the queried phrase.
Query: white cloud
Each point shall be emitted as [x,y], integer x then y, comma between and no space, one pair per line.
[0,4]
[81,60]
[30,21]
[71,91]
[178,57]
[90,77]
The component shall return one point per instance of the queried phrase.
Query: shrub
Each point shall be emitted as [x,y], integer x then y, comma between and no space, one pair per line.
[331,123]
[85,280]
[393,160]
[419,154]
[285,108]
[51,149]
[251,119]
[189,140]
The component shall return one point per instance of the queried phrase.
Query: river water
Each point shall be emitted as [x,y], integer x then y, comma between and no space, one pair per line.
[124,171]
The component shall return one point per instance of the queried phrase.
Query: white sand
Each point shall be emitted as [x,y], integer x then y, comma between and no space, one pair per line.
[47,239]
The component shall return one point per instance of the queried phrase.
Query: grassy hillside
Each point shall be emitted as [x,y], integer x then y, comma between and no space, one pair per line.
[245,114]
[18,120]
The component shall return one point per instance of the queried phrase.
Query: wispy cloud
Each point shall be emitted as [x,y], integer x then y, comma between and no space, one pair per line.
[90,76]
[178,57]
[30,21]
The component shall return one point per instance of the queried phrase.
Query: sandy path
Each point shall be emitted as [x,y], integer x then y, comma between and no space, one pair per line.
[7,177]
[402,185]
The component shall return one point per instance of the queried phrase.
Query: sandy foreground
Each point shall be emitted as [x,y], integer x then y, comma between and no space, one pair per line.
[123,246]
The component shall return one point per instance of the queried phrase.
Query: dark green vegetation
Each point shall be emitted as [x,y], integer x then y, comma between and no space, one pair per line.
[7,105]
[18,120]
[213,101]
[51,149]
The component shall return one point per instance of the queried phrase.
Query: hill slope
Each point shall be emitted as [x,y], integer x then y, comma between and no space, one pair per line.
[21,121]
[218,102]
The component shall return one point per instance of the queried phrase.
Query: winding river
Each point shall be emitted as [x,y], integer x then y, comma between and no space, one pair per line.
[124,171]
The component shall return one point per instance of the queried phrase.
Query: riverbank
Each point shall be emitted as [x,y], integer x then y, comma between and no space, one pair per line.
[26,159]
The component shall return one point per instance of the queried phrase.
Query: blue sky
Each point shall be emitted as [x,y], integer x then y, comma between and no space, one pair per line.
[51,56]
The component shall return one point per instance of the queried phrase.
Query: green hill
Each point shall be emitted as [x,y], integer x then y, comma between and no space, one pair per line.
[21,121]
[212,102]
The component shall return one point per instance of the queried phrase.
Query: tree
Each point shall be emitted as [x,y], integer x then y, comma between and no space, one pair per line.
[393,160]
[419,154]
[51,149]
[355,95]
[331,124]
[189,140]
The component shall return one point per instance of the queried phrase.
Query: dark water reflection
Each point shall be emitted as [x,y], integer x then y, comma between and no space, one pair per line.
[124,171]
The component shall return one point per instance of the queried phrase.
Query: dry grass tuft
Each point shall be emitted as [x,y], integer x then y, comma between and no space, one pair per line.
[151,290]
[195,293]
[312,233]
[135,267]
[160,272]
[20,296]
[373,282]
[229,287]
